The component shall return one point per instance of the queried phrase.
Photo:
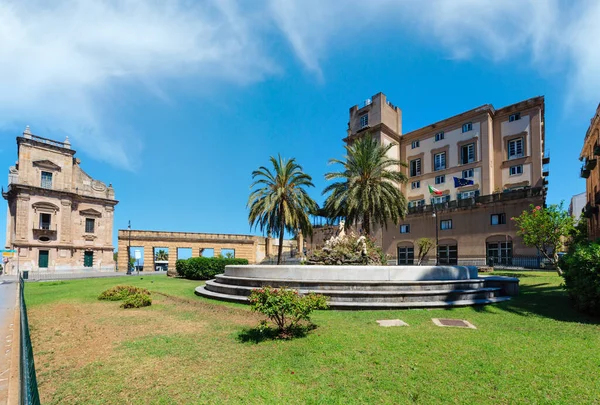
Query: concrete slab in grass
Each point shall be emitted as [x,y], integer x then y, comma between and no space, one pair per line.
[391,322]
[453,323]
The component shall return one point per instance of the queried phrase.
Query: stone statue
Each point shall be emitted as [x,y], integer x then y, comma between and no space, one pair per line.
[341,233]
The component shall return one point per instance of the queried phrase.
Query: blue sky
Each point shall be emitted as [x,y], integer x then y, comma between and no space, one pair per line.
[176,102]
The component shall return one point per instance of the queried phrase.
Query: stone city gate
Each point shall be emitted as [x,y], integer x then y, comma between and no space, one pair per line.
[253,248]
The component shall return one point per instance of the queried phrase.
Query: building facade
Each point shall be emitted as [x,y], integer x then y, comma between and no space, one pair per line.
[498,152]
[576,206]
[59,219]
[591,172]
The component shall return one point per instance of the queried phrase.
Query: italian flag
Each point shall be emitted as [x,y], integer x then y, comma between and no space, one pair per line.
[433,190]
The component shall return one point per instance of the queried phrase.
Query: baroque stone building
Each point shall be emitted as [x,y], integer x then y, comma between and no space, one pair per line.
[590,171]
[497,158]
[59,219]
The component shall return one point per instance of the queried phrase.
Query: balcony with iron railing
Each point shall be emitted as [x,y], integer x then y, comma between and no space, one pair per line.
[42,229]
[480,200]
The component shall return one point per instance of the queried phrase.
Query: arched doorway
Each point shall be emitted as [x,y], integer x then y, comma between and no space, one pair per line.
[448,251]
[499,250]
[406,253]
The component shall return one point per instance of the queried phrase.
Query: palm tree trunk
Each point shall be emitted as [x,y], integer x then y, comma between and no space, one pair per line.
[280,249]
[366,225]
[281,231]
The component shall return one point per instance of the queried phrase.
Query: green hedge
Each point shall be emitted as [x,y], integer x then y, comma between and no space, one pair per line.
[581,268]
[204,268]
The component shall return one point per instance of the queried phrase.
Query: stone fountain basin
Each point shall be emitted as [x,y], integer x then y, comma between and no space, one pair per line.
[353,273]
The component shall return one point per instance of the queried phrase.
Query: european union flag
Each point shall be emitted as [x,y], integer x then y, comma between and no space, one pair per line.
[462,182]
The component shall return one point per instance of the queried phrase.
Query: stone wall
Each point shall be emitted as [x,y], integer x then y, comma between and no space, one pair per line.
[253,248]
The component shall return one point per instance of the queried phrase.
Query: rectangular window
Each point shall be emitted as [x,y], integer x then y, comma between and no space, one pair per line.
[439,136]
[468,173]
[498,219]
[405,228]
[467,127]
[46,180]
[364,120]
[515,148]
[448,254]
[440,199]
[516,170]
[45,221]
[514,117]
[440,179]
[467,153]
[439,161]
[415,184]
[468,194]
[89,225]
[415,167]
[415,144]
[445,224]
[228,253]
[406,255]
[416,203]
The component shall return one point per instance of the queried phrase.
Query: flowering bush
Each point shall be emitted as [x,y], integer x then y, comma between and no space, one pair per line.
[285,307]
[544,228]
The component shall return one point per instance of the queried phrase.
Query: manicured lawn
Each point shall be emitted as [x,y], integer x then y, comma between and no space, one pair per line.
[186,349]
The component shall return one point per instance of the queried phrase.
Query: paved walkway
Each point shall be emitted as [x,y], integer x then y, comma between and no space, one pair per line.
[8,301]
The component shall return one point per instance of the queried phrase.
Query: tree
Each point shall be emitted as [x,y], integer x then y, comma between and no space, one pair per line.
[424,245]
[544,229]
[368,186]
[162,255]
[280,202]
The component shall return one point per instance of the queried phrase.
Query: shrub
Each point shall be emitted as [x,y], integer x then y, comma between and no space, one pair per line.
[120,292]
[137,300]
[286,307]
[205,268]
[582,276]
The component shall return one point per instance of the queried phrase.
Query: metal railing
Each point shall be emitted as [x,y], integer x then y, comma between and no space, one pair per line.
[519,262]
[479,200]
[29,394]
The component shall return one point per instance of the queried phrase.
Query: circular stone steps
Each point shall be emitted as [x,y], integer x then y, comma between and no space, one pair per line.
[459,286]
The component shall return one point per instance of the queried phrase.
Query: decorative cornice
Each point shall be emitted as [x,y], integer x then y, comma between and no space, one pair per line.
[47,164]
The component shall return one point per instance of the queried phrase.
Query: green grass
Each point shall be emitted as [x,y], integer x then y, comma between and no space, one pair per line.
[534,349]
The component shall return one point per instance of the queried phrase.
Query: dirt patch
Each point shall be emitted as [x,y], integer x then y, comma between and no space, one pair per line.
[69,337]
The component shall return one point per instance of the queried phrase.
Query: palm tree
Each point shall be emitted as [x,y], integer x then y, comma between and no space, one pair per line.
[280,202]
[368,187]
[162,255]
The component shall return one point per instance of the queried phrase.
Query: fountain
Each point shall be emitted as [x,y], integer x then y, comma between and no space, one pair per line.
[366,286]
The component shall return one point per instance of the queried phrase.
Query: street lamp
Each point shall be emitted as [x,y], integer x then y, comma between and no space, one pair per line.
[437,249]
[129,249]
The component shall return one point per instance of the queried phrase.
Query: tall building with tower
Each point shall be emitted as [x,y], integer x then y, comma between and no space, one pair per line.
[467,176]
[59,219]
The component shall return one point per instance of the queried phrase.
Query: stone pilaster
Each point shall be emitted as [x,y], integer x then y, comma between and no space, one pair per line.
[23,223]
[108,221]
[148,258]
[65,222]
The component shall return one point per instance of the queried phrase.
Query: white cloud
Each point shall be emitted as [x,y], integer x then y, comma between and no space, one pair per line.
[555,37]
[63,63]
[67,67]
